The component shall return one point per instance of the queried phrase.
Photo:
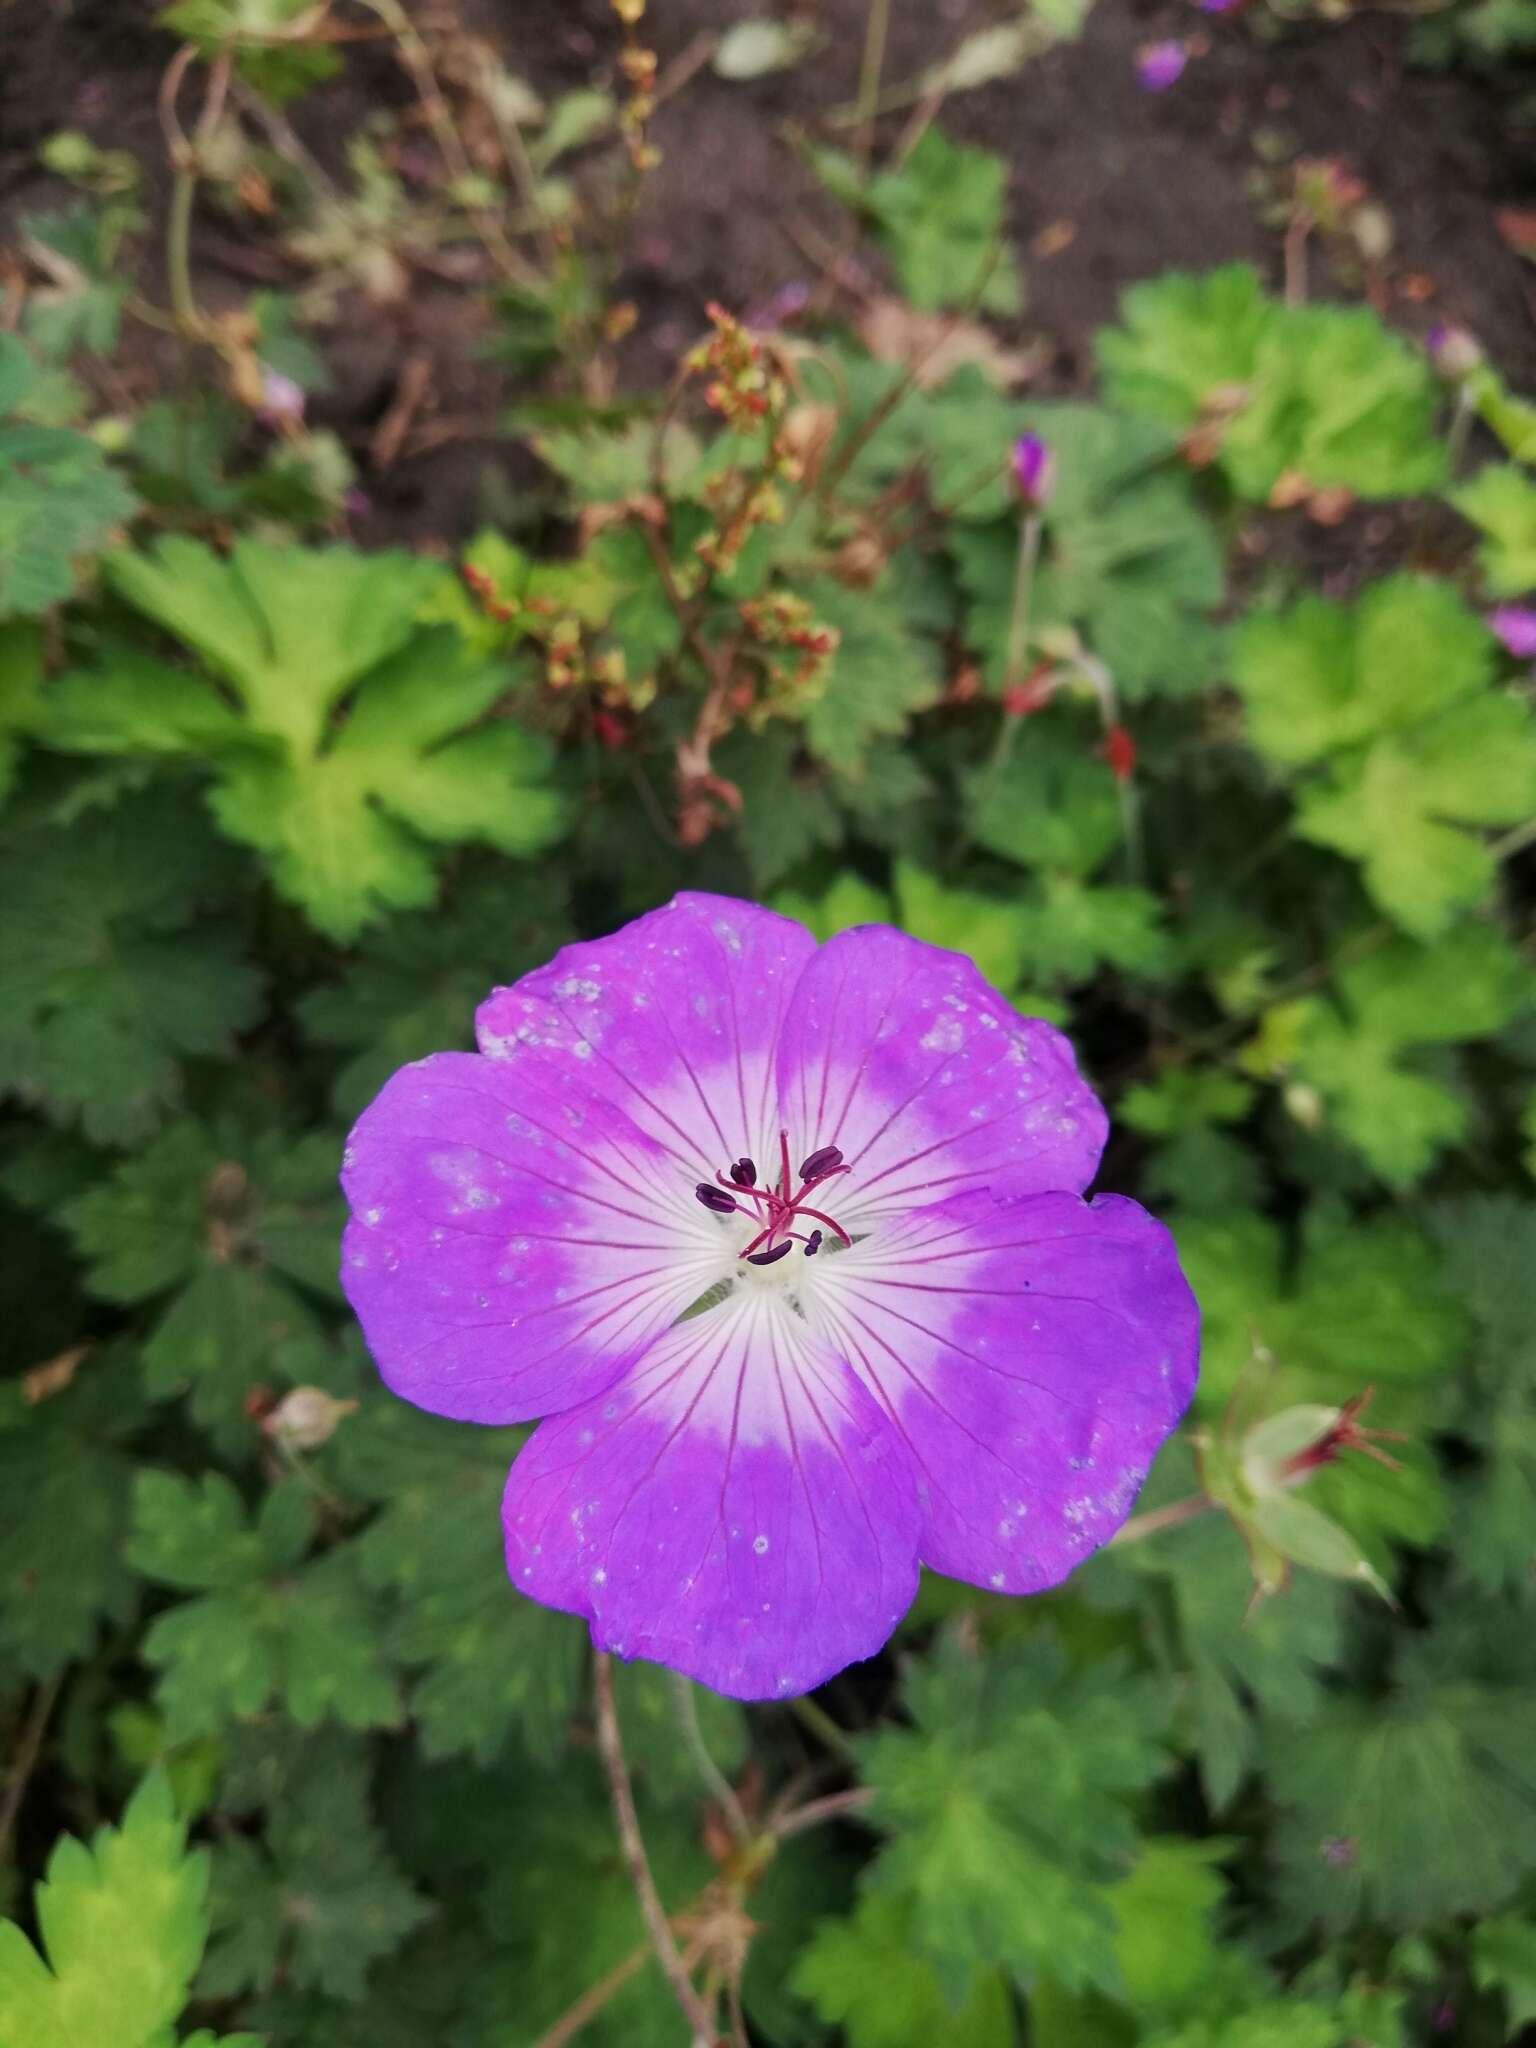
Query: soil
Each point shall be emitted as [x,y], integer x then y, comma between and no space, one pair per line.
[1108,184]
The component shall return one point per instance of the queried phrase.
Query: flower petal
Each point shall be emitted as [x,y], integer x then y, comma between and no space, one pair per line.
[1033,1354]
[735,1507]
[676,1018]
[900,1054]
[514,1240]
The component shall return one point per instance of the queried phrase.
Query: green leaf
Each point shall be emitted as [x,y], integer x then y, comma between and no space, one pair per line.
[1322,676]
[990,932]
[122,1925]
[941,218]
[1129,562]
[1007,1808]
[1185,338]
[1227,1659]
[1504,1960]
[21,677]
[1323,394]
[1072,928]
[488,1662]
[1362,1305]
[1407,1809]
[1359,1052]
[59,501]
[228,1220]
[65,1480]
[1398,809]
[868,1975]
[1501,502]
[880,675]
[268,1626]
[1051,803]
[339,810]
[850,901]
[564,1910]
[787,812]
[253,29]
[318,1900]
[109,976]
[413,987]
[1398,679]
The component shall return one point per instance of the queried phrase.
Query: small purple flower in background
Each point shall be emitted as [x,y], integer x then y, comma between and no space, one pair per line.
[1161,65]
[282,400]
[1515,625]
[779,308]
[1216,6]
[787,1243]
[1455,351]
[1034,471]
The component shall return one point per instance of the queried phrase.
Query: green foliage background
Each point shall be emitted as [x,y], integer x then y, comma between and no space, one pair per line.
[292,1764]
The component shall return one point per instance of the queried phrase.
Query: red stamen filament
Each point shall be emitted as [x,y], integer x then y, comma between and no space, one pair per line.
[785,1207]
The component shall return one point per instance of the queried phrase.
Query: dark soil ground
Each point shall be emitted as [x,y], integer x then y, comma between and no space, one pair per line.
[1109,184]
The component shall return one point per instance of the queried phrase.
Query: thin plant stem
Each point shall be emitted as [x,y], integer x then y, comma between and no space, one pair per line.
[1515,841]
[673,1967]
[185,156]
[1464,414]
[1156,1519]
[836,1806]
[596,1996]
[876,29]
[1025,565]
[28,1749]
[821,1724]
[709,1771]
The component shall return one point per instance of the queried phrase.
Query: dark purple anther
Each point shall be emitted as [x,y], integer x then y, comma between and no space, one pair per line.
[826,1161]
[780,1251]
[715,1198]
[813,1244]
[744,1173]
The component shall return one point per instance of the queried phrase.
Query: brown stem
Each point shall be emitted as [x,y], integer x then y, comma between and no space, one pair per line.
[834,1807]
[28,1750]
[665,1949]
[1155,1519]
[596,1996]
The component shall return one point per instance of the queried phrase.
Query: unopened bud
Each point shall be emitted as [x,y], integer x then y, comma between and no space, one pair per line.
[1034,471]
[1455,351]
[305,1418]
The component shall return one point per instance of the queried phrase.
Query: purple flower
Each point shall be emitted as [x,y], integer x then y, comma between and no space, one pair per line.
[1515,625]
[1161,65]
[282,400]
[1216,6]
[786,1242]
[1034,470]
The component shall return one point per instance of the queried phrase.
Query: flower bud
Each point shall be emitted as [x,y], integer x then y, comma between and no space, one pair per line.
[1034,471]
[305,1418]
[1454,351]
